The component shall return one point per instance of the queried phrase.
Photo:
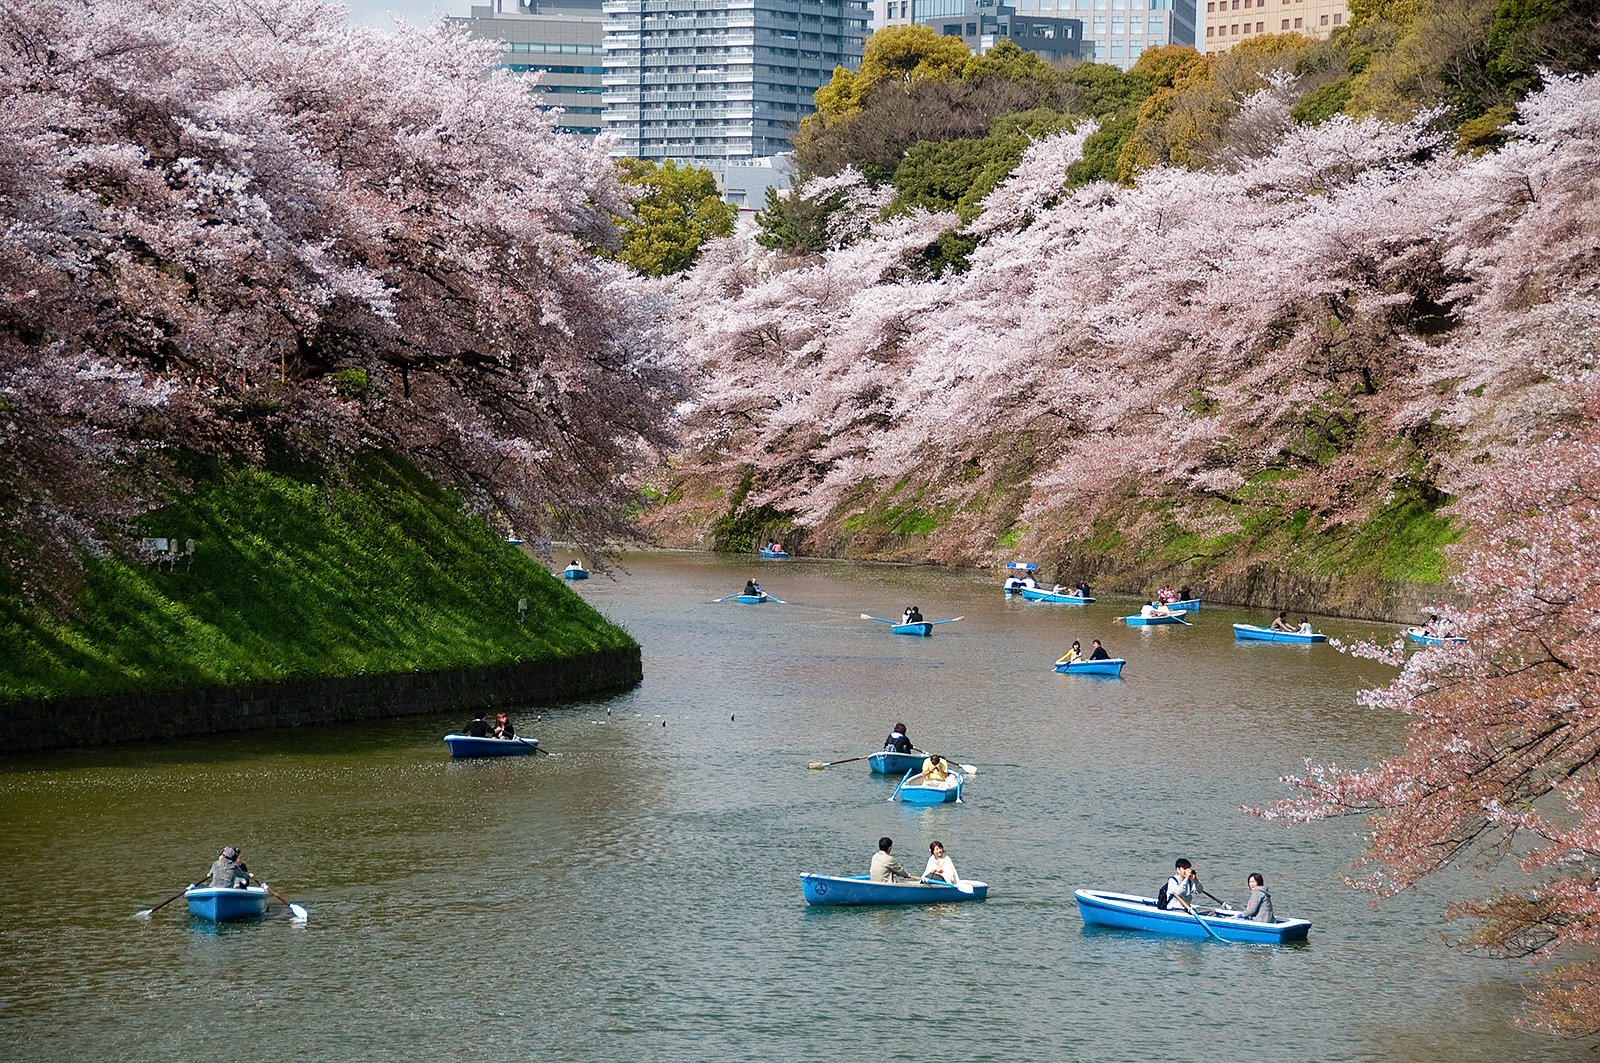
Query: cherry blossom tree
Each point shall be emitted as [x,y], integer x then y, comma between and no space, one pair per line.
[228,226]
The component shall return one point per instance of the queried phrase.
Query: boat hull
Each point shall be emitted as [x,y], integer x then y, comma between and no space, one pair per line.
[888,762]
[1188,605]
[1109,666]
[1249,632]
[914,792]
[1416,634]
[1030,594]
[860,889]
[574,573]
[922,630]
[1151,621]
[1124,911]
[774,555]
[752,599]
[468,746]
[222,905]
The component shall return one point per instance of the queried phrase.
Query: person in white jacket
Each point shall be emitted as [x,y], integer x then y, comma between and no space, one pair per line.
[940,867]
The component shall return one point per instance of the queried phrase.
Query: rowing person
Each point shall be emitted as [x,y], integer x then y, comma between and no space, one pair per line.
[898,742]
[884,867]
[752,588]
[1281,622]
[228,871]
[1072,654]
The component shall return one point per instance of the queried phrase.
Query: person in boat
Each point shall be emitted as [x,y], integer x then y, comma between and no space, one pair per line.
[1183,885]
[1073,654]
[1012,583]
[776,547]
[1281,622]
[228,871]
[913,615]
[1058,589]
[935,769]
[479,727]
[751,587]
[1305,626]
[940,867]
[575,566]
[1148,609]
[1165,596]
[503,727]
[884,867]
[1259,907]
[1082,589]
[1098,653]
[1184,595]
[897,742]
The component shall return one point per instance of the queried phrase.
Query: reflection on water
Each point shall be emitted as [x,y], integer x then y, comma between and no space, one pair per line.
[637,897]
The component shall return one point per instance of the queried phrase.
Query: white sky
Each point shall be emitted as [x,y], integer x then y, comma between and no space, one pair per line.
[380,14]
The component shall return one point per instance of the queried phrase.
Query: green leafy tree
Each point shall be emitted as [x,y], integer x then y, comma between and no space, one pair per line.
[955,175]
[677,210]
[795,223]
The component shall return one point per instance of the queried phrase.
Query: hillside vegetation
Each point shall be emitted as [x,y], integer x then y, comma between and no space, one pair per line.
[297,572]
[1190,322]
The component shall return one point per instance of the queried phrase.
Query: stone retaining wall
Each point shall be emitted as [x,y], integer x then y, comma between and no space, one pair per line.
[97,721]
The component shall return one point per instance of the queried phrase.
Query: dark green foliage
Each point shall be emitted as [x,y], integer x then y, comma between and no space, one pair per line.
[955,175]
[1103,91]
[1319,105]
[298,573]
[739,532]
[796,224]
[1101,152]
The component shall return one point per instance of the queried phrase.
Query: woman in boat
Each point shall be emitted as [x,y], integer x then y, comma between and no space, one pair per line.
[1165,596]
[752,587]
[1281,622]
[940,867]
[913,615]
[1073,654]
[934,769]
[1098,653]
[1305,626]
[1082,589]
[897,742]
[503,727]
[229,872]
[1260,906]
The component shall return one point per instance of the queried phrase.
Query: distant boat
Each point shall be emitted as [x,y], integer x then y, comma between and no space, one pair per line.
[1266,634]
[1013,583]
[1139,620]
[1416,634]
[1126,911]
[860,889]
[1188,605]
[468,746]
[773,555]
[1104,666]
[752,599]
[221,905]
[914,790]
[888,762]
[574,572]
[1034,594]
[923,628]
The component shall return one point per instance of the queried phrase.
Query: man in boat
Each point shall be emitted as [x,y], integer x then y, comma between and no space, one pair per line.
[935,768]
[884,867]
[1082,589]
[912,615]
[897,742]
[751,587]
[1098,653]
[479,727]
[229,872]
[1183,885]
[1281,622]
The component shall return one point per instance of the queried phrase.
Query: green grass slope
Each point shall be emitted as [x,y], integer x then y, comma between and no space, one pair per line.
[298,573]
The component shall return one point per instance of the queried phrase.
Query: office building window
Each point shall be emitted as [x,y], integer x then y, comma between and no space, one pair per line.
[1259,25]
[1285,23]
[1210,30]
[1119,26]
[1299,23]
[1099,25]
[1324,20]
[1136,24]
[1233,30]
[1338,17]
[1116,49]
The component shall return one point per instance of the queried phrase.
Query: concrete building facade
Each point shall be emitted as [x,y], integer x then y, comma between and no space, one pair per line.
[706,81]
[559,39]
[983,23]
[1114,31]
[1227,22]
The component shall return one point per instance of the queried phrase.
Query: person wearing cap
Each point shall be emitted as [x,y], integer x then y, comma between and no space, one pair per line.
[229,871]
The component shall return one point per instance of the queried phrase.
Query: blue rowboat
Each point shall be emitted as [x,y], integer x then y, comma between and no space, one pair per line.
[888,762]
[574,573]
[220,905]
[1107,666]
[773,555]
[1188,605]
[1125,911]
[923,629]
[860,889]
[1266,634]
[1416,634]
[468,746]
[752,599]
[1148,621]
[914,791]
[1032,594]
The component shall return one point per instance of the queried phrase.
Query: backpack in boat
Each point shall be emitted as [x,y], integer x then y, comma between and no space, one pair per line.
[1161,897]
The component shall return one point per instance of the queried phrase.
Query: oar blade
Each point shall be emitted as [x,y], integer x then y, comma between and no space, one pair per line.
[299,913]
[816,765]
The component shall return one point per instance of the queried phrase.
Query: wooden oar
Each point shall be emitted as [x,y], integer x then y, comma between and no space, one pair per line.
[879,619]
[146,913]
[725,597]
[537,748]
[774,597]
[817,765]
[936,623]
[300,914]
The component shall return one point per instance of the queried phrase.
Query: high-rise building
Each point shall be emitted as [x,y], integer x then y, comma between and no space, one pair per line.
[1227,22]
[1114,31]
[704,81]
[561,40]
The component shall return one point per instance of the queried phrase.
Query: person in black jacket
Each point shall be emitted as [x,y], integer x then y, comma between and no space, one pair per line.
[897,741]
